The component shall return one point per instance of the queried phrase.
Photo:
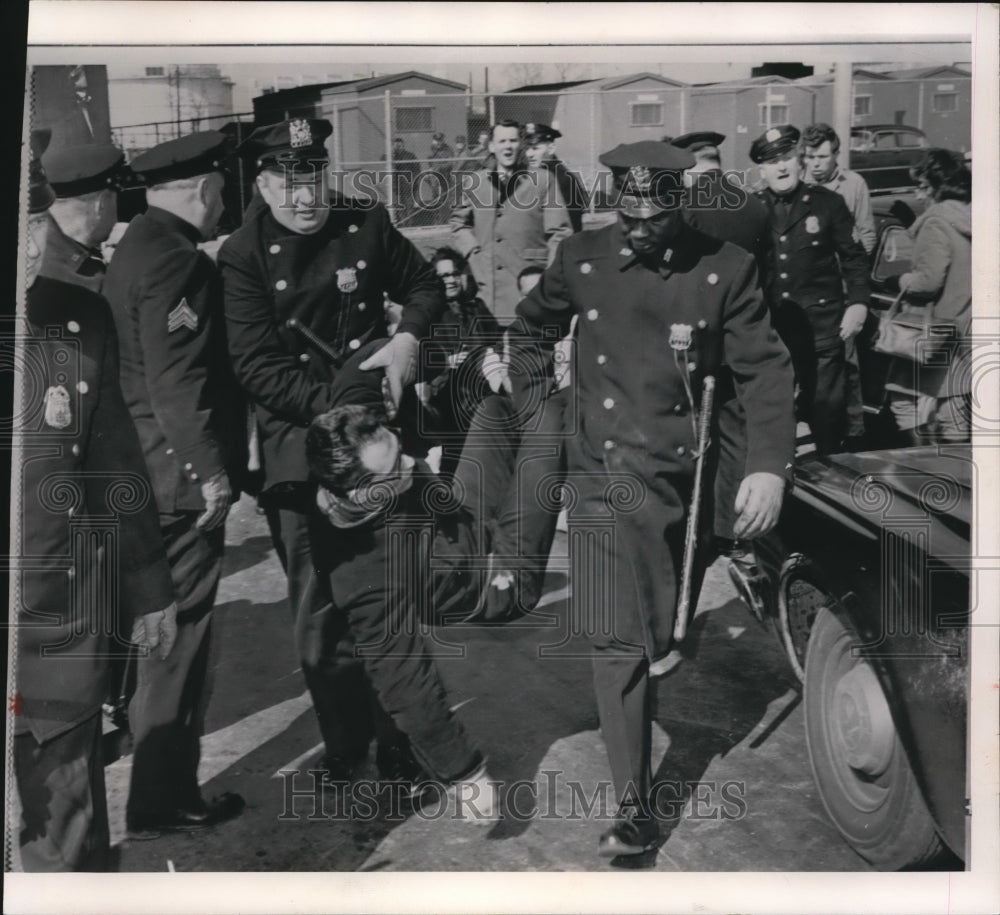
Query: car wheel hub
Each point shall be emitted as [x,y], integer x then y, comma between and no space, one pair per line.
[862,721]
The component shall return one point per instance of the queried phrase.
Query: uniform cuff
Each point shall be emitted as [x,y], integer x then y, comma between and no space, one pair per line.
[200,462]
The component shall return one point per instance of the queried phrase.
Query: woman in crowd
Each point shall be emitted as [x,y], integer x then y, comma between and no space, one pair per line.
[932,402]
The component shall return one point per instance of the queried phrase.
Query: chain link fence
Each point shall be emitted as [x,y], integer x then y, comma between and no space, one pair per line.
[410,147]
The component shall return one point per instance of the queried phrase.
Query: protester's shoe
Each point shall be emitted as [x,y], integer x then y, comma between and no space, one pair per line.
[475,798]
[635,832]
[660,667]
[218,810]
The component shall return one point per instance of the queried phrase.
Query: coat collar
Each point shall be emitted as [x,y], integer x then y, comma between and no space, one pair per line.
[798,206]
[174,223]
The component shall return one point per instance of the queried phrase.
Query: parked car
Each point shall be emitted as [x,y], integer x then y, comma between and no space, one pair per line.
[883,154]
[866,583]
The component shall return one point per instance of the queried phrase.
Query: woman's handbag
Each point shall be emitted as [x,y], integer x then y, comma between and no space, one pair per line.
[911,336]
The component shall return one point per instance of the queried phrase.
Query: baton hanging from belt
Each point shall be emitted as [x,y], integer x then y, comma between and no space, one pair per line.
[691,535]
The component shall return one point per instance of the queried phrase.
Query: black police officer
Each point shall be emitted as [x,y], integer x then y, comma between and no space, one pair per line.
[660,306]
[305,277]
[166,297]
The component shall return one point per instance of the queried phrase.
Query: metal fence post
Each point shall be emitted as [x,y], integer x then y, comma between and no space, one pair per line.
[391,195]
[491,107]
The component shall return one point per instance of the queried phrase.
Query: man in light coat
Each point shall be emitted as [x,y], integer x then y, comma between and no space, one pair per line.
[507,219]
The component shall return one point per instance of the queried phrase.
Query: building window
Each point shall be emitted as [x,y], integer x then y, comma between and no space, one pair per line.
[862,106]
[943,102]
[771,114]
[647,114]
[154,71]
[414,119]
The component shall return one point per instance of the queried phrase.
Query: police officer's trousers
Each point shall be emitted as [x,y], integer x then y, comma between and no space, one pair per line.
[167,712]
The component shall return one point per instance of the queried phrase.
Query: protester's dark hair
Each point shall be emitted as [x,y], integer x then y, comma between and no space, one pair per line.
[533,270]
[946,173]
[817,134]
[505,122]
[449,254]
[334,441]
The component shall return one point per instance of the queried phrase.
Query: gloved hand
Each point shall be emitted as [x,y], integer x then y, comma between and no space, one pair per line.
[853,321]
[217,495]
[158,629]
[399,359]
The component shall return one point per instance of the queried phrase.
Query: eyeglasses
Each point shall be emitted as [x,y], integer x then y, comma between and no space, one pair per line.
[449,276]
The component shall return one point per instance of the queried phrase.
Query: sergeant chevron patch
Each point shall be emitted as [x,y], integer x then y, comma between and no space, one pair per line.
[182,316]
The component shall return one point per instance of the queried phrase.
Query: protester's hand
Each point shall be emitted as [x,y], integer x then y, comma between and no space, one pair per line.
[158,629]
[758,504]
[217,495]
[853,320]
[495,372]
[399,359]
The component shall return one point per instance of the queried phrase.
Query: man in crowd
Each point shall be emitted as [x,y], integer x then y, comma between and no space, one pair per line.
[813,261]
[660,306]
[85,180]
[405,172]
[822,146]
[82,469]
[167,303]
[540,152]
[305,278]
[506,219]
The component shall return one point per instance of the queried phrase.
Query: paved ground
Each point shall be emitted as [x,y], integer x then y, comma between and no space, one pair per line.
[729,752]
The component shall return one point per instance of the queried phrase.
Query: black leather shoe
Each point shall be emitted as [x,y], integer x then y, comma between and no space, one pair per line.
[224,807]
[335,771]
[635,832]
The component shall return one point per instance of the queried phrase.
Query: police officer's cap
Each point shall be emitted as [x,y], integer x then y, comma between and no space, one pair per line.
[774,142]
[540,133]
[647,176]
[298,141]
[76,170]
[195,154]
[40,193]
[698,139]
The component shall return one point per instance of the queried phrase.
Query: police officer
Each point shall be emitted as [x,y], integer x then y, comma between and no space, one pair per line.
[167,301]
[540,152]
[812,258]
[304,278]
[82,476]
[660,306]
[716,204]
[86,180]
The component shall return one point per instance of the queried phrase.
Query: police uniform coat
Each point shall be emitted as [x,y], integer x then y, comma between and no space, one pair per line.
[573,194]
[166,297]
[504,227]
[67,260]
[812,256]
[331,282]
[722,209]
[81,470]
[631,461]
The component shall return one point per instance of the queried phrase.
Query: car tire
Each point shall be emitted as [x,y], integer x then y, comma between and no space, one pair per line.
[858,762]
